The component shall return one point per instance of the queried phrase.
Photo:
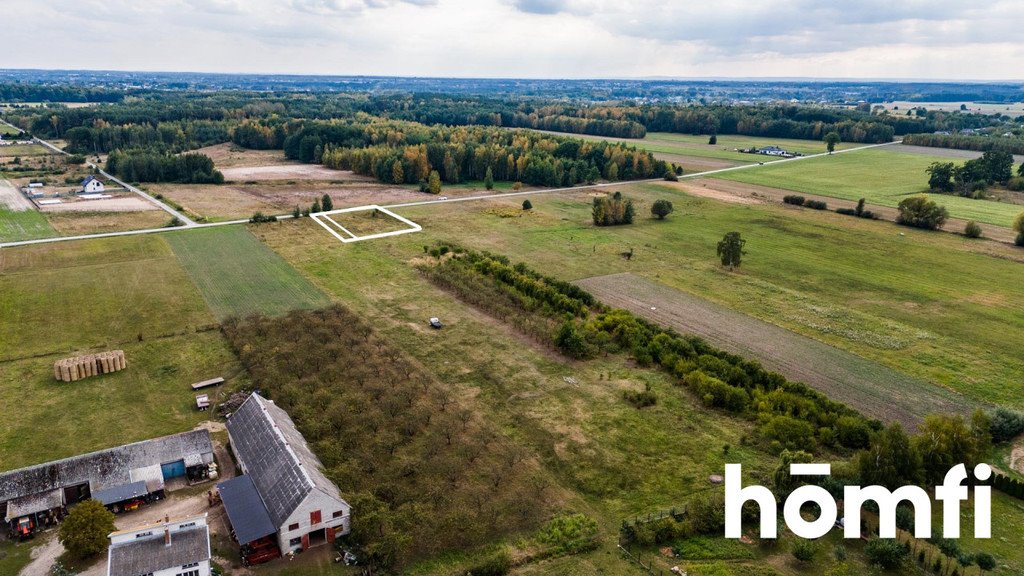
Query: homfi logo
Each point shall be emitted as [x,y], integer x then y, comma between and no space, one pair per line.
[950,493]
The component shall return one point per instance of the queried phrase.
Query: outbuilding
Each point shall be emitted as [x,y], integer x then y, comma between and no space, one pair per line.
[283,488]
[91,185]
[178,548]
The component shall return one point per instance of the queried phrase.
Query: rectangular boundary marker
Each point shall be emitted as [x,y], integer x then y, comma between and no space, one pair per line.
[319,217]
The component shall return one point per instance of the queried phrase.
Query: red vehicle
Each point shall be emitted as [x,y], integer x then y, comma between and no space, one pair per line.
[25,528]
[262,550]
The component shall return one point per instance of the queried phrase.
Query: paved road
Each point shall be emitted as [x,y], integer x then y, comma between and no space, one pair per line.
[190,224]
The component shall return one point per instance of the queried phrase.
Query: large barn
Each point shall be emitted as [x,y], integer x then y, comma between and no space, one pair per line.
[283,496]
[42,492]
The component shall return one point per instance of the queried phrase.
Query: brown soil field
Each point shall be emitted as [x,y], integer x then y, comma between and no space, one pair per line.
[290,172]
[241,200]
[364,223]
[873,389]
[75,223]
[120,203]
[230,156]
[724,189]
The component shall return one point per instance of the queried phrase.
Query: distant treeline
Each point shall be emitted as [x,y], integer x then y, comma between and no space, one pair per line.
[54,93]
[164,136]
[979,143]
[145,166]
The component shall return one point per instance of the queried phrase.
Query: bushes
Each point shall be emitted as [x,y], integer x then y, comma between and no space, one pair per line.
[1018,226]
[804,550]
[859,211]
[498,564]
[920,212]
[612,211]
[886,553]
[716,393]
[786,432]
[661,208]
[797,200]
[569,533]
[640,398]
[972,230]
[1005,424]
[260,218]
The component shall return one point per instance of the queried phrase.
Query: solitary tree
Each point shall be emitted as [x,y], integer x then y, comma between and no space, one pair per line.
[84,532]
[730,249]
[315,207]
[661,208]
[920,212]
[489,179]
[831,139]
[713,140]
[434,182]
[327,203]
[972,230]
[1018,226]
[527,205]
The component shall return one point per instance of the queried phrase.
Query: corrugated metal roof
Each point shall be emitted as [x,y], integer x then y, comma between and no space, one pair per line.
[246,511]
[104,468]
[148,555]
[121,493]
[276,456]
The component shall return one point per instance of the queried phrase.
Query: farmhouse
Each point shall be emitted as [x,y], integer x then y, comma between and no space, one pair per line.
[773,151]
[118,477]
[179,548]
[91,185]
[283,502]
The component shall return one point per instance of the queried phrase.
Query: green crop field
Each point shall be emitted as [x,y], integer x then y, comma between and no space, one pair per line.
[5,129]
[238,275]
[14,150]
[23,225]
[95,294]
[882,176]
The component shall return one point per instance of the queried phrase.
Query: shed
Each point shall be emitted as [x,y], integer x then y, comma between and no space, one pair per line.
[249,517]
[121,493]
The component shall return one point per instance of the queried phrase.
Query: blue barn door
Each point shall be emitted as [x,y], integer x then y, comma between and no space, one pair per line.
[173,469]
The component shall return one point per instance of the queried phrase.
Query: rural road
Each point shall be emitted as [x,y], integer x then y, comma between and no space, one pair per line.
[188,223]
[185,219]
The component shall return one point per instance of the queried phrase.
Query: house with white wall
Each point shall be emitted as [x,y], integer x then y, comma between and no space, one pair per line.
[289,492]
[168,548]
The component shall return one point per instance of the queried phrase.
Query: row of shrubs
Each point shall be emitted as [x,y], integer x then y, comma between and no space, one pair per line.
[790,414]
[859,211]
[797,200]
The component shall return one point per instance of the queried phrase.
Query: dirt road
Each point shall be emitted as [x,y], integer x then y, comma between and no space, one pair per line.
[875,390]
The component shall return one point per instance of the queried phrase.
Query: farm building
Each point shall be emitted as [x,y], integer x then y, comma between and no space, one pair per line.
[91,185]
[120,477]
[282,502]
[179,548]
[773,151]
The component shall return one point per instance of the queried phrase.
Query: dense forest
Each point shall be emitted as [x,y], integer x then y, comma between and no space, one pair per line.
[145,166]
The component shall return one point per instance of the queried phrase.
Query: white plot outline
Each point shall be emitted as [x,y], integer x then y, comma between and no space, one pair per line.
[413,227]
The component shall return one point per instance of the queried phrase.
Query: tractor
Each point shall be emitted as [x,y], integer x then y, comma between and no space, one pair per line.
[24,528]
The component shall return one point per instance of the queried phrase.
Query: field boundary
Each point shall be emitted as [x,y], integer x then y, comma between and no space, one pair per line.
[874,389]
[319,218]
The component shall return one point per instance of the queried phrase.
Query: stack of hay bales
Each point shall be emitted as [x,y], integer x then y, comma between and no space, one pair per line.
[72,369]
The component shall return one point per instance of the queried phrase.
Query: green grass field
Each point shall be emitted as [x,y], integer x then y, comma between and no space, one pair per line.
[150,398]
[882,176]
[670,146]
[95,294]
[238,275]
[5,129]
[23,225]
[904,301]
[24,150]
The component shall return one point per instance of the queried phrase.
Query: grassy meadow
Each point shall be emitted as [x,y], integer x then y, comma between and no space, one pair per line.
[883,176]
[238,275]
[93,295]
[23,225]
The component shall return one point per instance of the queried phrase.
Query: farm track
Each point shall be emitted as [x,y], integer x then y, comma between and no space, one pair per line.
[875,390]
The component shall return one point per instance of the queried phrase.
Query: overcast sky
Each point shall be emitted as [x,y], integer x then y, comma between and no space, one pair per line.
[936,39]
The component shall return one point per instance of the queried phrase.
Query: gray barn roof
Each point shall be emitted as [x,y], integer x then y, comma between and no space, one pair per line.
[148,555]
[246,511]
[275,455]
[105,468]
[120,493]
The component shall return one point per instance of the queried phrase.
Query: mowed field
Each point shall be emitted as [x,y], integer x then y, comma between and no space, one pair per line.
[906,301]
[23,225]
[238,275]
[92,295]
[696,155]
[875,390]
[883,176]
